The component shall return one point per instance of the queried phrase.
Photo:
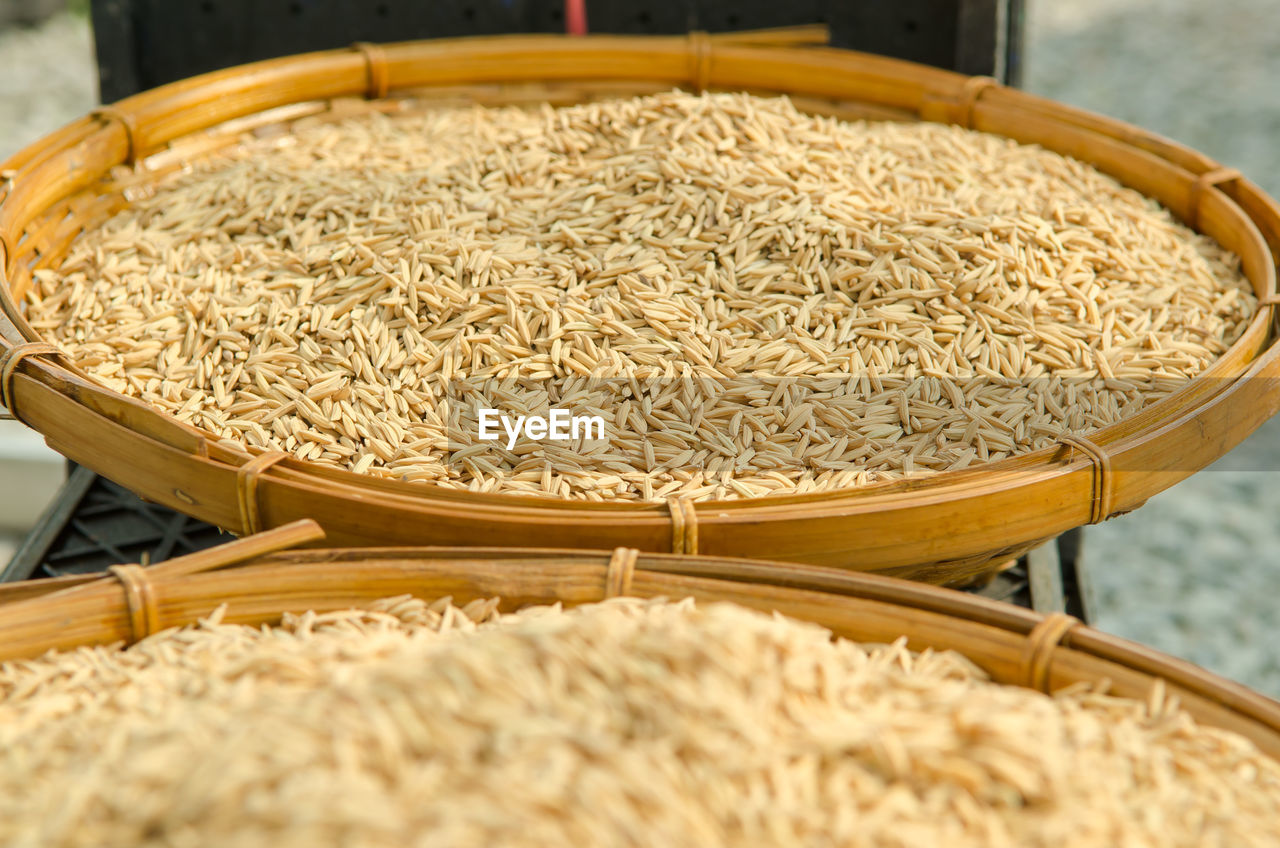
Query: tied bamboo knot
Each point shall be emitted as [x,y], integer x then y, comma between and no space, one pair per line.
[114,114]
[952,106]
[377,73]
[617,577]
[699,59]
[9,362]
[1215,178]
[684,526]
[247,489]
[1042,642]
[140,597]
[1100,500]
[973,89]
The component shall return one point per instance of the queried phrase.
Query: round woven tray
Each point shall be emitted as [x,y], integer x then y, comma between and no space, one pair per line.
[949,527]
[259,580]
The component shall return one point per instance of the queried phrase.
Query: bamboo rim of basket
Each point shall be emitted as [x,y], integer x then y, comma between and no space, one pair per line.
[56,185]
[260,578]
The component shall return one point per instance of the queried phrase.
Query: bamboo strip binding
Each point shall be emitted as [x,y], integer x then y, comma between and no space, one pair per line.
[958,108]
[113,114]
[140,598]
[1103,485]
[1044,639]
[9,361]
[972,91]
[247,489]
[684,525]
[375,61]
[1216,178]
[699,59]
[618,574]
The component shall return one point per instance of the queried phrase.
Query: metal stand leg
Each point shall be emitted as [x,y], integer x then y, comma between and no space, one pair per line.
[1057,577]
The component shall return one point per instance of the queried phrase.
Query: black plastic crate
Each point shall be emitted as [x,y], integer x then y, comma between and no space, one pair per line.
[94,523]
[145,43]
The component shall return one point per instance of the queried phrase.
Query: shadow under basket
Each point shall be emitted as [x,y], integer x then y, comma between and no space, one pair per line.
[259,579]
[950,527]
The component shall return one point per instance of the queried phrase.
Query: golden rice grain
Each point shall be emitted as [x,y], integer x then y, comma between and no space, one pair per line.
[753,281]
[625,723]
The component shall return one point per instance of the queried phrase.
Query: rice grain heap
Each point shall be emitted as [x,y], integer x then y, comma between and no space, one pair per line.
[623,723]
[755,300]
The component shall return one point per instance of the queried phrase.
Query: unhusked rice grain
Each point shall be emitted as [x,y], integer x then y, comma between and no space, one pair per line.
[625,723]
[755,300]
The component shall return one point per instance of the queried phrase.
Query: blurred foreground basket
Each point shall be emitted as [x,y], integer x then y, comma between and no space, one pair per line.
[259,580]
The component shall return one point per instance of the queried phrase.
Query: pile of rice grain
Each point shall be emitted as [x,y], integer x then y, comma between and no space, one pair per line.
[622,723]
[755,300]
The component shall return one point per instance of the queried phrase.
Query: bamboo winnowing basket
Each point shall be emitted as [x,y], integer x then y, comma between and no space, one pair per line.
[259,581]
[946,528]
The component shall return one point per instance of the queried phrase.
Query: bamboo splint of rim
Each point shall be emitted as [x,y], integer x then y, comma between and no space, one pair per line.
[949,527]
[259,581]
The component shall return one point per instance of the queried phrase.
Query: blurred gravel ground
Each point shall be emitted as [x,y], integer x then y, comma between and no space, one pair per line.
[1196,572]
[47,78]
